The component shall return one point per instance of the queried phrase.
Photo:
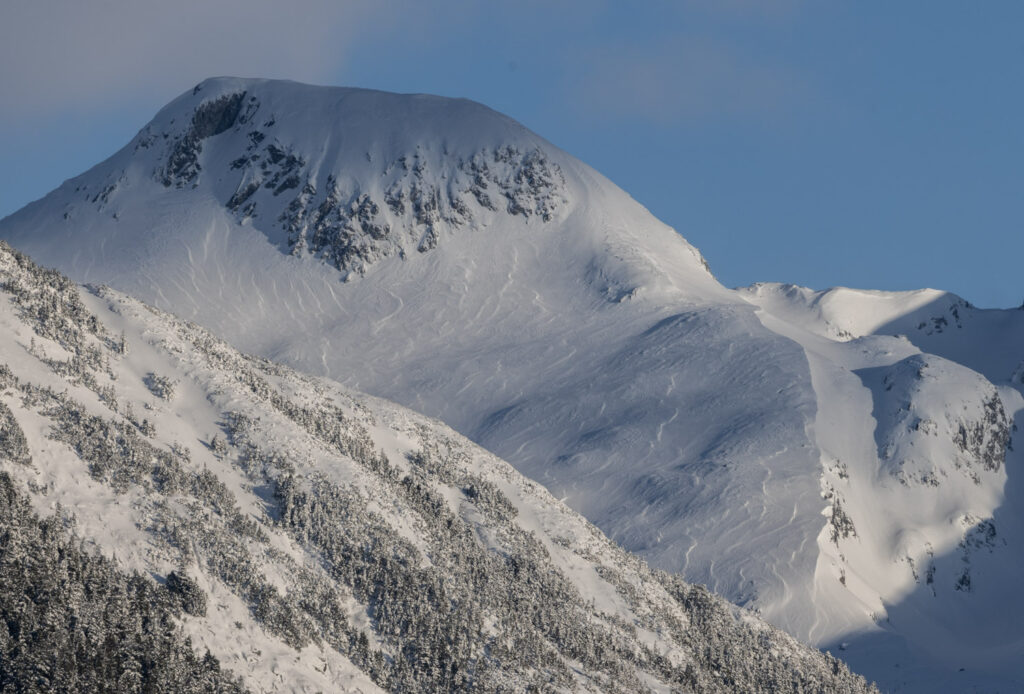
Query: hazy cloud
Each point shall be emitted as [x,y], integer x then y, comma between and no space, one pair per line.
[61,54]
[686,78]
[68,56]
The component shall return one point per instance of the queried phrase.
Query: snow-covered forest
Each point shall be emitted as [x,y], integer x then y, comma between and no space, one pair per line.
[178,516]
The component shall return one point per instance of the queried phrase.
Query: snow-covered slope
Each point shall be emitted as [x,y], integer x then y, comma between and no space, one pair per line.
[316,539]
[574,345]
[927,527]
[440,255]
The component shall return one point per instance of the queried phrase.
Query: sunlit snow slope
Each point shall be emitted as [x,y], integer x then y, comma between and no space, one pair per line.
[312,538]
[436,253]
[919,396]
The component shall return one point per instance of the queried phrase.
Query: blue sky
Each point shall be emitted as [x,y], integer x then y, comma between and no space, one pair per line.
[864,144]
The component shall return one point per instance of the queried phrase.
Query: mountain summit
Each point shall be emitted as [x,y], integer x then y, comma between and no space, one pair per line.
[395,175]
[838,460]
[349,176]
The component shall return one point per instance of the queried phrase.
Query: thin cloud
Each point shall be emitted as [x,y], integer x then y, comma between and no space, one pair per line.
[686,79]
[70,55]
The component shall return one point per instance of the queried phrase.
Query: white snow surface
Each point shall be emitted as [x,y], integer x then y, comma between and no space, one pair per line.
[715,432]
[290,426]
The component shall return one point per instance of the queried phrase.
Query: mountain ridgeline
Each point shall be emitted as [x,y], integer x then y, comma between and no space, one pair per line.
[840,462]
[175,515]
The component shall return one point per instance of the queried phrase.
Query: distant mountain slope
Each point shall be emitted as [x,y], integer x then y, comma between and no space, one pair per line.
[312,538]
[919,455]
[438,254]
[574,345]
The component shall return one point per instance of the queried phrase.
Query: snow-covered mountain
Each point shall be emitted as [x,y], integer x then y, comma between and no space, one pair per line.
[918,402]
[162,495]
[782,446]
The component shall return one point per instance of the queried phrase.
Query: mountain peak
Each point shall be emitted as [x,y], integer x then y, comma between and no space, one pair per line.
[808,454]
[352,175]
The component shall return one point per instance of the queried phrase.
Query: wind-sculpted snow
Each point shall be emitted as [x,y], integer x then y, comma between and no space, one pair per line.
[921,481]
[438,254]
[311,538]
[936,322]
[602,454]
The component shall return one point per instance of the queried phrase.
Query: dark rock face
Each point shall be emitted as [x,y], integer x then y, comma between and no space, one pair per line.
[210,118]
[214,117]
[352,220]
[986,440]
[351,228]
[912,417]
[842,524]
